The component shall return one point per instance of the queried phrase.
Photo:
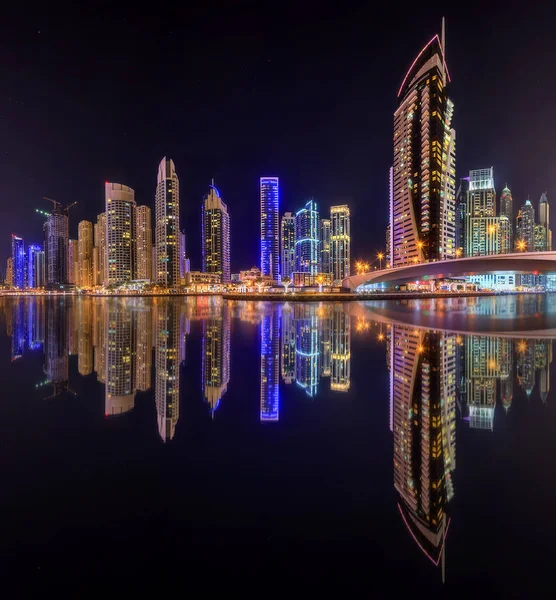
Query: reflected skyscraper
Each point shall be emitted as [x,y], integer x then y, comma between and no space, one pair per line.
[270,367]
[270,228]
[340,353]
[18,328]
[99,339]
[143,348]
[85,336]
[56,347]
[215,358]
[525,365]
[35,322]
[307,353]
[287,333]
[167,386]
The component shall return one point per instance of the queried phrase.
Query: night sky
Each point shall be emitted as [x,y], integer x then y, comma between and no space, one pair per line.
[304,91]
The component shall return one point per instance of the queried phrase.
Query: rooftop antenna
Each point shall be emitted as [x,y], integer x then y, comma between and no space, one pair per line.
[213,182]
[443,44]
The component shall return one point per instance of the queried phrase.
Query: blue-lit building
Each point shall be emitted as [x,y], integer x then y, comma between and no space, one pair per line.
[270,367]
[18,262]
[307,225]
[33,265]
[18,328]
[307,350]
[270,227]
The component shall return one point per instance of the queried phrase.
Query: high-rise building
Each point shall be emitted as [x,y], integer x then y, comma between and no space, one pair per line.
[504,235]
[287,244]
[287,333]
[18,262]
[270,227]
[99,251]
[40,269]
[73,264]
[183,255]
[307,350]
[120,233]
[482,226]
[525,227]
[461,216]
[85,257]
[167,225]
[307,233]
[422,210]
[9,272]
[215,235]
[215,358]
[544,221]
[270,367]
[56,237]
[507,210]
[325,264]
[340,242]
[33,277]
[144,244]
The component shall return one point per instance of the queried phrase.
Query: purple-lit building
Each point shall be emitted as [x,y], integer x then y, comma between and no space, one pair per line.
[18,262]
[270,227]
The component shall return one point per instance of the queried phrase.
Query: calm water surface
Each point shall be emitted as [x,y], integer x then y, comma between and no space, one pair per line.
[359,448]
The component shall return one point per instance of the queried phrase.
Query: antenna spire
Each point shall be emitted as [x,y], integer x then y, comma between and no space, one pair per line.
[443,44]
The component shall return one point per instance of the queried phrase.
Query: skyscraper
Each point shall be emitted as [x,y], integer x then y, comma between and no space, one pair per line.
[99,251]
[18,262]
[287,244]
[9,272]
[183,255]
[215,358]
[143,348]
[340,350]
[507,210]
[544,221]
[73,264]
[32,276]
[56,237]
[307,233]
[270,367]
[461,216]
[325,265]
[85,334]
[167,224]
[525,227]
[270,228]
[422,210]
[482,226]
[40,269]
[144,244]
[120,233]
[215,235]
[85,258]
[340,242]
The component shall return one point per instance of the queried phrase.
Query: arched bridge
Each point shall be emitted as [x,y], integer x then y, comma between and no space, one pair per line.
[522,262]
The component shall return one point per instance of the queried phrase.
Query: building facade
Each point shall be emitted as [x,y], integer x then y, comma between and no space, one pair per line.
[525,227]
[144,244]
[325,264]
[307,247]
[544,221]
[167,225]
[99,251]
[120,233]
[507,210]
[270,227]
[340,242]
[18,262]
[215,235]
[422,210]
[287,244]
[73,262]
[85,258]
[56,238]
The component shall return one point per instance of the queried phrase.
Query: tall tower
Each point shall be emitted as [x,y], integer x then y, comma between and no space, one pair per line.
[56,237]
[167,224]
[99,251]
[461,216]
[144,244]
[340,242]
[33,277]
[422,213]
[9,272]
[544,221]
[73,265]
[287,244]
[120,233]
[325,225]
[525,228]
[18,262]
[270,367]
[85,259]
[215,236]
[507,210]
[482,226]
[183,257]
[307,254]
[270,228]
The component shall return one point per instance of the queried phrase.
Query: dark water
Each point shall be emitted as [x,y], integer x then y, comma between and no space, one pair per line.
[205,447]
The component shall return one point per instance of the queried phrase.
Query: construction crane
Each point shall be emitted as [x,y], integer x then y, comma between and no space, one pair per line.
[58,208]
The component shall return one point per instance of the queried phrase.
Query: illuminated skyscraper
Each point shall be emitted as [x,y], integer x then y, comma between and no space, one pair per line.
[35,320]
[120,390]
[99,252]
[270,367]
[340,355]
[144,244]
[325,264]
[215,235]
[35,266]
[73,262]
[307,233]
[525,229]
[85,257]
[507,210]
[215,358]
[287,334]
[120,233]
[461,216]
[167,224]
[56,237]
[9,272]
[18,262]
[287,244]
[307,350]
[422,210]
[270,227]
[18,328]
[340,242]
[183,256]
[544,222]
[544,377]
[167,387]
[56,343]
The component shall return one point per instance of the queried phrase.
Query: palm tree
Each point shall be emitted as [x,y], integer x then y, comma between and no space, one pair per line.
[259,282]
[286,282]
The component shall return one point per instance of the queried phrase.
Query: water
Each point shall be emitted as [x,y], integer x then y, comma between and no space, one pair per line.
[357,447]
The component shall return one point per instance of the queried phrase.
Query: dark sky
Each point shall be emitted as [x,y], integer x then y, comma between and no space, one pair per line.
[236,90]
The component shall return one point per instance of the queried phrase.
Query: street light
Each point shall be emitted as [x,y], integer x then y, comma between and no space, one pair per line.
[380,257]
[522,245]
[320,281]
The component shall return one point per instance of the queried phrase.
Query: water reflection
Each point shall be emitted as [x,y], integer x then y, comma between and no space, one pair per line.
[440,377]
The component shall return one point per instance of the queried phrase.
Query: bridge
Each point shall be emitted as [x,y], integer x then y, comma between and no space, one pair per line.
[521,262]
